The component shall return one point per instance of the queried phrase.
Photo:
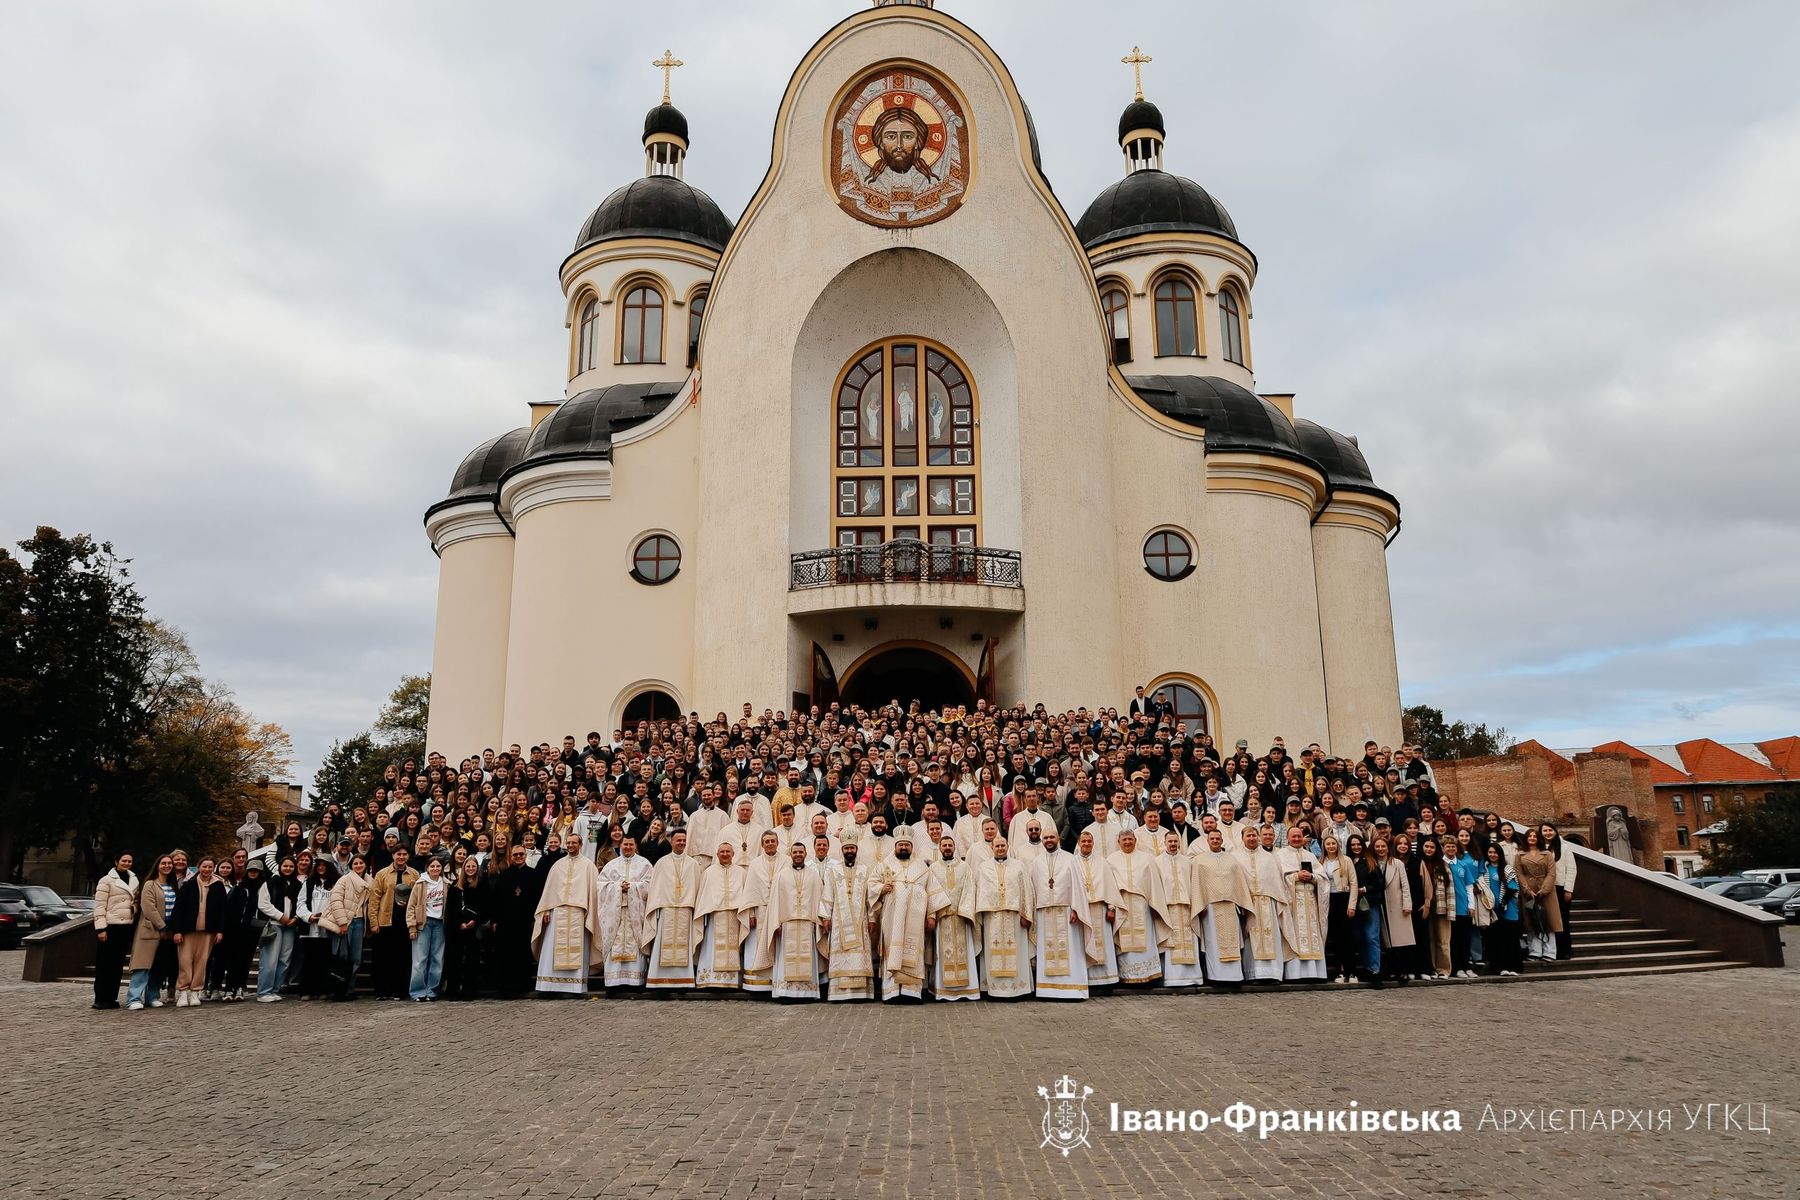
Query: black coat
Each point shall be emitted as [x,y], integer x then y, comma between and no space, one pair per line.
[187,906]
[466,904]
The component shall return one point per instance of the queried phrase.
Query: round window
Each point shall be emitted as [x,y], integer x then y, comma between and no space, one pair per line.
[1167,555]
[656,559]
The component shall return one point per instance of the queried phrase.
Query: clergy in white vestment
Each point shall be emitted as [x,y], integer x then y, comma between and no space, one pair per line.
[903,901]
[877,846]
[842,823]
[1031,810]
[566,934]
[1028,852]
[1003,902]
[926,840]
[744,834]
[765,870]
[968,827]
[820,832]
[788,829]
[1305,908]
[1181,951]
[800,914]
[849,954]
[1118,821]
[983,849]
[1220,891]
[726,911]
[1150,833]
[1064,944]
[956,942]
[1103,903]
[669,915]
[1143,924]
[1262,928]
[624,945]
[704,825]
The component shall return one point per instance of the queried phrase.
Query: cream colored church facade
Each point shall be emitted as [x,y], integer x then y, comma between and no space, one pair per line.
[906,429]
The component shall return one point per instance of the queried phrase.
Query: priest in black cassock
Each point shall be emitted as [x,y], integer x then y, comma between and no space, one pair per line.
[514,899]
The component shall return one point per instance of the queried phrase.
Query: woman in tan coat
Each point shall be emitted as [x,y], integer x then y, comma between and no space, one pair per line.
[152,926]
[1396,913]
[1535,868]
[1438,906]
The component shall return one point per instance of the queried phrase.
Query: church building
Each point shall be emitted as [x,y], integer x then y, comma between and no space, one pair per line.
[904,429]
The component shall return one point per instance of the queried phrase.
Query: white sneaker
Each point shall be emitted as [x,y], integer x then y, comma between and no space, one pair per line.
[269,999]
[134,1006]
[156,1004]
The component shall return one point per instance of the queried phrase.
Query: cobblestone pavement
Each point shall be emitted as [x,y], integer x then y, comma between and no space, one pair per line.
[654,1099]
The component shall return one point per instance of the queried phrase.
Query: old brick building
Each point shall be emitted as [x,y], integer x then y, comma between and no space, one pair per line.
[1672,793]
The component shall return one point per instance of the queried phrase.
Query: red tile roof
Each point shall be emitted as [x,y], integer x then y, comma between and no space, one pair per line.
[1785,754]
[1709,762]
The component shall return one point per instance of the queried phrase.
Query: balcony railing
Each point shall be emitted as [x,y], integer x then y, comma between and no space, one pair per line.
[905,560]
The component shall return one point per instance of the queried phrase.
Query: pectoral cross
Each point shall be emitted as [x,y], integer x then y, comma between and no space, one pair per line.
[1135,60]
[668,62]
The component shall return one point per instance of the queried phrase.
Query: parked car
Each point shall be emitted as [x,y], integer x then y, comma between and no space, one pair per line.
[48,907]
[1742,890]
[1791,911]
[16,920]
[84,903]
[1775,875]
[1776,900]
[1702,881]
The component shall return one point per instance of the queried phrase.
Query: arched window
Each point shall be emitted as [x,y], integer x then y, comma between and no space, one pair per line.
[696,310]
[587,353]
[1231,326]
[1117,307]
[1188,703]
[905,457]
[1177,330]
[650,706]
[641,339]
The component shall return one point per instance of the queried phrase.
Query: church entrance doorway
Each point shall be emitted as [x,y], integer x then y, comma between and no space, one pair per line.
[908,671]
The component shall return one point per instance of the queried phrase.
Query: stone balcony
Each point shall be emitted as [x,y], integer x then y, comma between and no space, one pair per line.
[905,574]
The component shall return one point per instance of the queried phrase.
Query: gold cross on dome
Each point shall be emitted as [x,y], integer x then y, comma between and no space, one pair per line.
[667,64]
[1136,60]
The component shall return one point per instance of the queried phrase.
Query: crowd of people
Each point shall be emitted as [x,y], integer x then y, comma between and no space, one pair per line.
[844,854]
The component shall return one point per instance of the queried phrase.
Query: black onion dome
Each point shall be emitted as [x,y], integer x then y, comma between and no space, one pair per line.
[583,425]
[1152,202]
[1346,470]
[665,118]
[478,478]
[1141,114]
[658,206]
[1235,418]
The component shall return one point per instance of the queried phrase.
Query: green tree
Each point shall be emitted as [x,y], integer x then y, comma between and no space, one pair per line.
[1422,725]
[350,773]
[400,726]
[192,776]
[1757,833]
[353,767]
[109,736]
[76,668]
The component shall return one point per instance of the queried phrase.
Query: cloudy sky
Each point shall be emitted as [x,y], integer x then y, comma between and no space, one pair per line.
[267,272]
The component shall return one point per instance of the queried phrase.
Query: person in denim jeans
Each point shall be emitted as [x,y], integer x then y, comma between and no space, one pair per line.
[348,909]
[276,904]
[425,926]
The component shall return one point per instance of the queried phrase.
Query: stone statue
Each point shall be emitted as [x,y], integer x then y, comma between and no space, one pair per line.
[249,834]
[1618,834]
